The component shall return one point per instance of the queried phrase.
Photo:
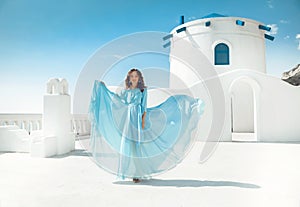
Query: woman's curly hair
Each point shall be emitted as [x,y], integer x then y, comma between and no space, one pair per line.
[141,83]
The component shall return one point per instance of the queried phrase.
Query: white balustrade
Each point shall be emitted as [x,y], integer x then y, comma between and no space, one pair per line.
[29,122]
[80,124]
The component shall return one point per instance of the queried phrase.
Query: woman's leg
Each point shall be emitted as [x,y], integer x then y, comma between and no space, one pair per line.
[137,164]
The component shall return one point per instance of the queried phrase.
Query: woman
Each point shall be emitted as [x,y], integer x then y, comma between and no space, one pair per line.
[127,142]
[134,87]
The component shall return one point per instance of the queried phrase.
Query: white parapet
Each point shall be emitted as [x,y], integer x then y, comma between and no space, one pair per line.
[14,139]
[42,146]
[57,86]
[57,115]
[56,136]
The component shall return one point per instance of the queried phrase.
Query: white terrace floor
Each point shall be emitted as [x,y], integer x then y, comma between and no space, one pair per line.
[237,174]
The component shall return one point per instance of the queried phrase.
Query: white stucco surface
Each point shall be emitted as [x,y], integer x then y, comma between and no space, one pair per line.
[237,174]
[12,138]
[254,102]
[56,120]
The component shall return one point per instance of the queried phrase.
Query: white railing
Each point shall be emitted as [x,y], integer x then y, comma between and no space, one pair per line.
[29,122]
[80,124]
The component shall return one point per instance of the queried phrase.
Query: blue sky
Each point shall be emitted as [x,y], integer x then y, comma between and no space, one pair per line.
[43,39]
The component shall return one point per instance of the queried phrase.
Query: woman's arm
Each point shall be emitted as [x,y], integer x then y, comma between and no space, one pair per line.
[144,107]
[143,120]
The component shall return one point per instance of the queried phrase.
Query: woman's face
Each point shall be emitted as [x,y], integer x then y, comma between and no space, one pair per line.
[134,77]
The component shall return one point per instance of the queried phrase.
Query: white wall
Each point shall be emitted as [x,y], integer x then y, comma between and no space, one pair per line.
[272,115]
[276,105]
[266,105]
[280,103]
[246,43]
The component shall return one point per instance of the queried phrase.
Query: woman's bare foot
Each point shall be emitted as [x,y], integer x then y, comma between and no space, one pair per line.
[136,180]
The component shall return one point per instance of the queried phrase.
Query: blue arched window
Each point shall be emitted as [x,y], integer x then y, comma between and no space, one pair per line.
[221,54]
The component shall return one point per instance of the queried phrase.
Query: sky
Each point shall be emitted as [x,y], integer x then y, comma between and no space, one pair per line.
[44,39]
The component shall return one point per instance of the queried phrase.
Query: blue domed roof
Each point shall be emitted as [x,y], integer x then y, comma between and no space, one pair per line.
[213,15]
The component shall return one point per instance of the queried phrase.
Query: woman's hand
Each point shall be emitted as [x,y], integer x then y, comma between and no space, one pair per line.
[100,81]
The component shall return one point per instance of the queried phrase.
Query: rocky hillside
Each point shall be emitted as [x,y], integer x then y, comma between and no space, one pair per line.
[292,76]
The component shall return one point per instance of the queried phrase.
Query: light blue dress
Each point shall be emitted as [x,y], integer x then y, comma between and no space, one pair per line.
[120,145]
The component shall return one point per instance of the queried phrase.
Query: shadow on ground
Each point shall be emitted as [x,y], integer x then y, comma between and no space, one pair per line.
[76,152]
[189,183]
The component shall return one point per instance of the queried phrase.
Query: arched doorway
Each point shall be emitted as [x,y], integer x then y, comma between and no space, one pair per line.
[244,109]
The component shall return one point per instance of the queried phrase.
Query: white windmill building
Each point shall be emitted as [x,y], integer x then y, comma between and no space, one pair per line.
[234,48]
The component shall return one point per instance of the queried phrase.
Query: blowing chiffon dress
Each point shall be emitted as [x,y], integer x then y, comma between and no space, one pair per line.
[120,145]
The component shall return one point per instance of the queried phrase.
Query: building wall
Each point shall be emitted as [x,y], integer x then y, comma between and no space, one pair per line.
[275,107]
[252,101]
[246,43]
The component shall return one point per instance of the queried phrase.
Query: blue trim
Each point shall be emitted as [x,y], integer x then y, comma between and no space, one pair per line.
[213,15]
[240,22]
[182,19]
[263,27]
[269,37]
[168,36]
[181,29]
[167,44]
[207,24]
